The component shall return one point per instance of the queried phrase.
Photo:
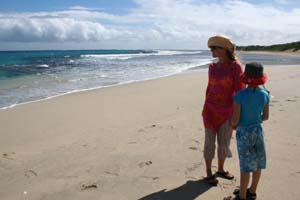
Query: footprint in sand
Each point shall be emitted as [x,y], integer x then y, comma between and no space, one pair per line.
[158,127]
[151,177]
[196,141]
[142,131]
[30,173]
[111,173]
[193,148]
[147,127]
[292,76]
[228,185]
[9,156]
[143,164]
[85,186]
[151,126]
[291,100]
[194,167]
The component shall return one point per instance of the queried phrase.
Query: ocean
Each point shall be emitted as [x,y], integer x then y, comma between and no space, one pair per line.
[27,76]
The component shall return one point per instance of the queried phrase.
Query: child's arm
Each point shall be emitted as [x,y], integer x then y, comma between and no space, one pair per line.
[236,115]
[265,115]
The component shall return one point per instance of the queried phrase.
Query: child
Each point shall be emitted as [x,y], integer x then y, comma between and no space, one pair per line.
[251,107]
[223,83]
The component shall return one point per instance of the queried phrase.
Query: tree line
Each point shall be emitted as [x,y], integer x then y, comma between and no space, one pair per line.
[293,46]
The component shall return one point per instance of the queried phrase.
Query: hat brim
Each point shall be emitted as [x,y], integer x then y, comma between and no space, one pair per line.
[221,41]
[254,81]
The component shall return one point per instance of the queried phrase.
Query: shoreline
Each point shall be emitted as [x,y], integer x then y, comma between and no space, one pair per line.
[100,87]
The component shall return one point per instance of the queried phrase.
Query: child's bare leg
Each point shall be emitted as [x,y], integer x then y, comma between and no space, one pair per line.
[255,179]
[245,176]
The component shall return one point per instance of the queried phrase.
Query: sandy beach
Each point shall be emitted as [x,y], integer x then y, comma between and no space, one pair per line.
[283,53]
[141,140]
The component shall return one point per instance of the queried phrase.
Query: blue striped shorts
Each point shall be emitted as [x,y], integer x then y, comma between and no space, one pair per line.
[251,148]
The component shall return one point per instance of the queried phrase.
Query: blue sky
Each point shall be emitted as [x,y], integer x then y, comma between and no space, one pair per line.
[112,6]
[144,24]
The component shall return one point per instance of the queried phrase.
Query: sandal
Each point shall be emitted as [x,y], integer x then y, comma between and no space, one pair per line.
[233,198]
[211,180]
[225,175]
[250,195]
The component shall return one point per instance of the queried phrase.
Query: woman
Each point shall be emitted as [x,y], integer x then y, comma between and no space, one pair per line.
[223,83]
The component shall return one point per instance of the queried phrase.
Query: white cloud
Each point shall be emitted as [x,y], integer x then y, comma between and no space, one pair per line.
[80,8]
[54,30]
[157,24]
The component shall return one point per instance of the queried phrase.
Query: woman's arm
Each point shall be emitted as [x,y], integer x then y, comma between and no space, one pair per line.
[265,115]
[236,115]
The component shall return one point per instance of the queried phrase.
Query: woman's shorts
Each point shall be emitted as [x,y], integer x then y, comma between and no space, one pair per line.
[251,148]
[223,136]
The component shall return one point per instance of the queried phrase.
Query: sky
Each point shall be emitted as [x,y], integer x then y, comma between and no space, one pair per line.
[145,24]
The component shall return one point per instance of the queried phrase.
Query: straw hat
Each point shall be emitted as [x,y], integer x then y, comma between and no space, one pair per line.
[254,74]
[221,41]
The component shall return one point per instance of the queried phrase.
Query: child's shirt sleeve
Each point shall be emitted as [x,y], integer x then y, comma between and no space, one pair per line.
[267,98]
[237,98]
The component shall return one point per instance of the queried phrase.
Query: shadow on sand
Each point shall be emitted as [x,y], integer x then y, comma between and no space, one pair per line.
[189,191]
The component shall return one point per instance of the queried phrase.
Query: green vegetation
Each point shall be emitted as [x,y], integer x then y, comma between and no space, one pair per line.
[293,46]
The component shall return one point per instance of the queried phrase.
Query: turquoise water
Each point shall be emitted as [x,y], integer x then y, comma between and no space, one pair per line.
[33,75]
[15,63]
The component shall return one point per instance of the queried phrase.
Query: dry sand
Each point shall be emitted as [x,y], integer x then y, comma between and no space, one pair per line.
[283,53]
[139,141]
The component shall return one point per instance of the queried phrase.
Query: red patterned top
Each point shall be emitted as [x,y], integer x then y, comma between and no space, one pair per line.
[223,83]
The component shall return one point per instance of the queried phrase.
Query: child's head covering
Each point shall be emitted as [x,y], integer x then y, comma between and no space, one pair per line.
[254,74]
[221,41]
